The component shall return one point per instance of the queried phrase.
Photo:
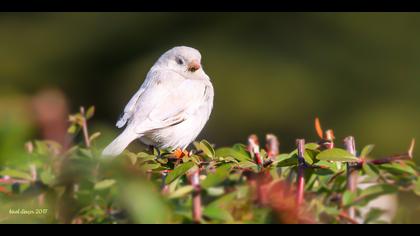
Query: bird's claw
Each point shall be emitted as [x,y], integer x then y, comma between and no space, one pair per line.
[178,153]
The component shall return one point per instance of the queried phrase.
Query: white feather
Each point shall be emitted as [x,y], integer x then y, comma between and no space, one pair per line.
[171,107]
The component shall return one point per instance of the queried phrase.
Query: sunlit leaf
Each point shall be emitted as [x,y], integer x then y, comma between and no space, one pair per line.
[104,184]
[94,136]
[90,112]
[181,192]
[238,155]
[207,148]
[47,177]
[72,129]
[16,174]
[367,150]
[336,154]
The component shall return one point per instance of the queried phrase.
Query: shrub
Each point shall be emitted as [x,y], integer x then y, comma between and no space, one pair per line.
[315,183]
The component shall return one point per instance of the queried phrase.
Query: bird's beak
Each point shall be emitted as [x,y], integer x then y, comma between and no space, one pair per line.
[193,66]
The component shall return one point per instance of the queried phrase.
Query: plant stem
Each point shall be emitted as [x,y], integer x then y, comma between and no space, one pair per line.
[84,127]
[254,149]
[345,216]
[301,169]
[196,208]
[164,187]
[329,136]
[399,157]
[390,159]
[272,146]
[351,171]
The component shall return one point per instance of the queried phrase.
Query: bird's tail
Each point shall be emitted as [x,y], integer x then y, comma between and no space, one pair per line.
[117,146]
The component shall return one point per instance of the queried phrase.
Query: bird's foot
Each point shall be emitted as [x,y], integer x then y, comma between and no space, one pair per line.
[178,153]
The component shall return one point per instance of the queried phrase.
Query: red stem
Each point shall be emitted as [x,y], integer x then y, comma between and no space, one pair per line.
[196,210]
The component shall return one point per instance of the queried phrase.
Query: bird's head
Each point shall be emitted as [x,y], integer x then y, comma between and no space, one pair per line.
[183,60]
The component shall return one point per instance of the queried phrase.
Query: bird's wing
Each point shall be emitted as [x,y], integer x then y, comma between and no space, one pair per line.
[129,108]
[166,101]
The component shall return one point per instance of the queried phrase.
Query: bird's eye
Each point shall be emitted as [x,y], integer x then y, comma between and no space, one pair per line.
[179,61]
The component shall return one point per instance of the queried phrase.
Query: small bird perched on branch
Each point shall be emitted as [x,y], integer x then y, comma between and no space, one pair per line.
[172,105]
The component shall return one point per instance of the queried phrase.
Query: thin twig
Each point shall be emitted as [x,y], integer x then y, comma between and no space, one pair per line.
[345,216]
[7,180]
[84,127]
[399,157]
[300,143]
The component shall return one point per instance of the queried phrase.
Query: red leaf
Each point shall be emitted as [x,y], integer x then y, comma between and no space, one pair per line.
[318,128]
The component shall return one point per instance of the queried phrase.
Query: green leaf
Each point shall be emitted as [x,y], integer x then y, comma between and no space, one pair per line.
[180,192]
[375,191]
[398,168]
[217,177]
[224,201]
[16,174]
[312,146]
[231,152]
[284,160]
[417,186]
[144,157]
[94,136]
[207,148]
[104,184]
[47,177]
[367,150]
[150,166]
[90,112]
[373,215]
[72,129]
[178,171]
[336,154]
[333,211]
[217,213]
[247,164]
[41,147]
[144,203]
[132,156]
[330,165]
[348,198]
[86,152]
[310,156]
[370,169]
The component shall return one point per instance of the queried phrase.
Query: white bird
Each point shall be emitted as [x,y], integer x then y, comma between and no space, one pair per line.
[172,105]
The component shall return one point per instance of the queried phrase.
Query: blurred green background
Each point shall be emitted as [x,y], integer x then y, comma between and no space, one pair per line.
[272,72]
